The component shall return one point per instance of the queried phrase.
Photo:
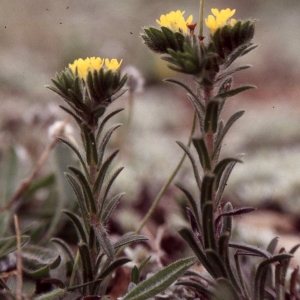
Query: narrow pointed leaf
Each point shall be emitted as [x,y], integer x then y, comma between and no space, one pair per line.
[66,247]
[188,236]
[194,164]
[207,190]
[105,120]
[86,188]
[202,152]
[104,242]
[110,207]
[191,201]
[236,91]
[208,226]
[53,295]
[160,281]
[78,225]
[229,123]
[78,154]
[81,200]
[85,256]
[220,168]
[102,172]
[201,106]
[211,116]
[104,143]
[128,238]
[261,274]
[251,249]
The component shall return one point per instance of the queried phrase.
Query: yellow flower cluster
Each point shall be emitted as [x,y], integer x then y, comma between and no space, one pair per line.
[219,19]
[175,21]
[83,66]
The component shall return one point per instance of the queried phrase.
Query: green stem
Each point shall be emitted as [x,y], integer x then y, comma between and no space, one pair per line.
[201,17]
[168,182]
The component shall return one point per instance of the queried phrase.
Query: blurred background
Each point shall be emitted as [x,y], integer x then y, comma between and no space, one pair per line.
[40,38]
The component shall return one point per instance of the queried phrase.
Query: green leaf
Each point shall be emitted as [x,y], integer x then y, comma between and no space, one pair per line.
[113,266]
[128,238]
[202,152]
[110,206]
[207,189]
[82,202]
[211,116]
[169,35]
[160,281]
[86,188]
[53,295]
[66,247]
[232,71]
[189,237]
[103,199]
[194,164]
[105,120]
[261,274]
[225,290]
[224,254]
[229,123]
[235,91]
[76,118]
[38,261]
[9,244]
[223,182]
[102,172]
[104,241]
[272,245]
[250,250]
[89,145]
[135,275]
[144,263]
[99,111]
[55,281]
[104,143]
[221,167]
[197,100]
[216,262]
[78,225]
[87,267]
[192,203]
[78,154]
[208,226]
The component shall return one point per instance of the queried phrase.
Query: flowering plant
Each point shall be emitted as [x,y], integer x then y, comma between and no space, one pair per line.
[91,266]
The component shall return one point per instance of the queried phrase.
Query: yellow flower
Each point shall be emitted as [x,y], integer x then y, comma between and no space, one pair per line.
[113,64]
[86,65]
[219,19]
[175,21]
[83,66]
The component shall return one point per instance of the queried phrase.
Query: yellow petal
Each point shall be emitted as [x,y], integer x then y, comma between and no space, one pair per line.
[113,64]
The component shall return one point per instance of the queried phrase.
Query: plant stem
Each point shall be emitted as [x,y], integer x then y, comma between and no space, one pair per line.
[201,17]
[168,182]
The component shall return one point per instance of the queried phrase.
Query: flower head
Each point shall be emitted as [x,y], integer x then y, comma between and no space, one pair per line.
[81,67]
[219,19]
[175,21]
[113,64]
